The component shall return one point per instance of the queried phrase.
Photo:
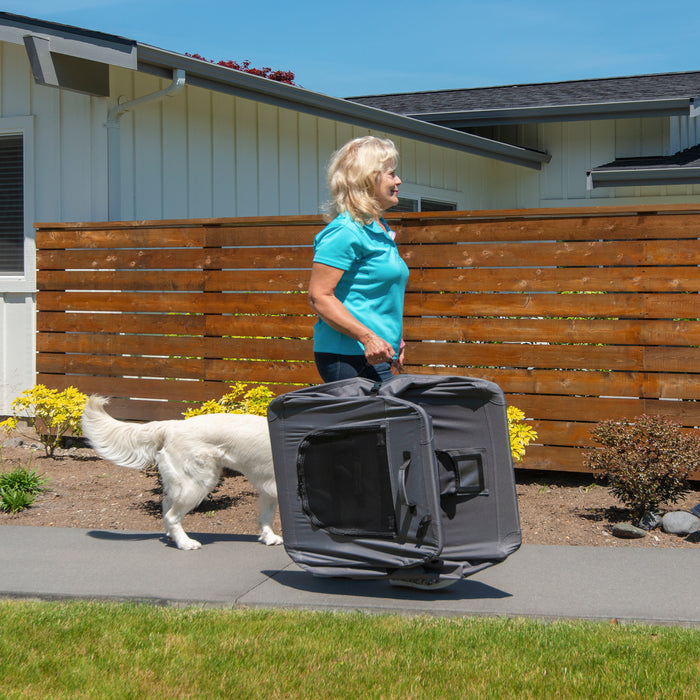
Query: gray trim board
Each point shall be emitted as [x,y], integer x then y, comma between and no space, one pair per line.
[581,112]
[629,177]
[70,41]
[682,168]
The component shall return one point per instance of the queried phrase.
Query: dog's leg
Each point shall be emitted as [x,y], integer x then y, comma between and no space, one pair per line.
[267,505]
[172,518]
[182,493]
[173,513]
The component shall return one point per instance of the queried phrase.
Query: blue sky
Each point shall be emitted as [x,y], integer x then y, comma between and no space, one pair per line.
[372,47]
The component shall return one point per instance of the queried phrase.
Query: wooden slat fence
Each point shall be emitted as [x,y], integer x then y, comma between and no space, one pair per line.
[579,314]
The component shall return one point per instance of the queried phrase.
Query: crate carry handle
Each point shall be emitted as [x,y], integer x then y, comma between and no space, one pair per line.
[402,480]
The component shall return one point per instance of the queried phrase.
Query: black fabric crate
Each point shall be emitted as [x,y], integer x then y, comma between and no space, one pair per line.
[375,478]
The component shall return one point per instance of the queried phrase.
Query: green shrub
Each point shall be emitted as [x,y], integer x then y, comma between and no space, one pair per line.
[18,488]
[23,479]
[646,461]
[15,500]
[51,413]
[254,401]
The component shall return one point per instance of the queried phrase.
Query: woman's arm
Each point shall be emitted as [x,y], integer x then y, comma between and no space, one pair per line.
[324,279]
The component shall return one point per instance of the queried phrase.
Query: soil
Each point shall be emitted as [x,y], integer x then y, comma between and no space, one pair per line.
[84,491]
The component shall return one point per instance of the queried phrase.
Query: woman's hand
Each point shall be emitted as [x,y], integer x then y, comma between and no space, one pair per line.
[377,350]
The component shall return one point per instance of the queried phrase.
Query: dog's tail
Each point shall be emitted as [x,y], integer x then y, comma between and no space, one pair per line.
[131,445]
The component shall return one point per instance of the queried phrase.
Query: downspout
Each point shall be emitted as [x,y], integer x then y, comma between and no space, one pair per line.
[113,139]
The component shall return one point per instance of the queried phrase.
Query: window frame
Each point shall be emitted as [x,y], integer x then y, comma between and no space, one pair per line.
[410,194]
[26,282]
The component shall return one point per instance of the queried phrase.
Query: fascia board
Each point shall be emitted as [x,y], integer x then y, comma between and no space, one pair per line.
[92,46]
[582,112]
[628,177]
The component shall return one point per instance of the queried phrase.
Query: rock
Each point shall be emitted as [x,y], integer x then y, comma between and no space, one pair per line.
[680,523]
[628,531]
[13,442]
[695,510]
[649,521]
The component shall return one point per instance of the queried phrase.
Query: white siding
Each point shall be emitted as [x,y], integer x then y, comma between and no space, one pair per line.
[218,155]
[685,133]
[17,347]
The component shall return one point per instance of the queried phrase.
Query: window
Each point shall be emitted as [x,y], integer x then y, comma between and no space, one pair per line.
[422,204]
[11,205]
[435,205]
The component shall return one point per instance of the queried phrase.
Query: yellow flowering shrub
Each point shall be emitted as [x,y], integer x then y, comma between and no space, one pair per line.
[253,401]
[256,400]
[521,434]
[50,412]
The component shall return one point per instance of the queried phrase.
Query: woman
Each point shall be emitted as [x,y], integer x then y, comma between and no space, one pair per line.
[358,279]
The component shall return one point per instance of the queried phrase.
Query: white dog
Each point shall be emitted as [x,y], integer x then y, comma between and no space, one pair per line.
[191,456]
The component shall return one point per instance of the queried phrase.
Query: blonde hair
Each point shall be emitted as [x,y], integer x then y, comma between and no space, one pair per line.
[353,173]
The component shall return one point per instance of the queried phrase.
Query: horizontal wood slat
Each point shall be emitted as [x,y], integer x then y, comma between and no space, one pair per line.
[587,357]
[178,324]
[175,346]
[189,303]
[183,259]
[546,254]
[542,225]
[668,305]
[182,236]
[533,330]
[546,279]
[579,315]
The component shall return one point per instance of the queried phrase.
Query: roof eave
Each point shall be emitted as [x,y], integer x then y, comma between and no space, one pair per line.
[554,113]
[630,177]
[218,78]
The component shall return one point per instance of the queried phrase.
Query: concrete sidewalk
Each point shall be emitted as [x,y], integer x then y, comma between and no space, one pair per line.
[597,583]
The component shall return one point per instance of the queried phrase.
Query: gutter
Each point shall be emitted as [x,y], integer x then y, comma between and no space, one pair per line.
[210,76]
[630,177]
[462,119]
[114,139]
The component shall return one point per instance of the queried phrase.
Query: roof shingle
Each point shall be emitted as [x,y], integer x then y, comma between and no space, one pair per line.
[575,92]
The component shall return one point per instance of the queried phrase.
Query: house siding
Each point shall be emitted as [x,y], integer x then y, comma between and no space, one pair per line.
[218,155]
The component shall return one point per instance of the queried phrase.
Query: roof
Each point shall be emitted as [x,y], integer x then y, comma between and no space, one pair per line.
[681,168]
[603,98]
[78,59]
[214,77]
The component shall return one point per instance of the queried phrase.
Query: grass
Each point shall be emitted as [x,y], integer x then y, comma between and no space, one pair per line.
[110,650]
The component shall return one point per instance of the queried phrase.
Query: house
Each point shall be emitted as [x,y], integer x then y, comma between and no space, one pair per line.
[97,127]
[627,140]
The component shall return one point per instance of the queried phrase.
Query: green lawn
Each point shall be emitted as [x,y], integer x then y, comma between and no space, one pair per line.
[104,650]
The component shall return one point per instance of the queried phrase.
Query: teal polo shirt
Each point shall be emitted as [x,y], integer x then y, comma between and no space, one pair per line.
[372,286]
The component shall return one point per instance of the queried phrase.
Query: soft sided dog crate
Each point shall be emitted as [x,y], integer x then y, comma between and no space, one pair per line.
[377,479]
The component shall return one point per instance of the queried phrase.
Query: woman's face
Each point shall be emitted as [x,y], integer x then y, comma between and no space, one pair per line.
[388,189]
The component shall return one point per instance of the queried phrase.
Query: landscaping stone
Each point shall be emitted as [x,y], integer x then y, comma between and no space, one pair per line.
[680,522]
[628,531]
[649,521]
[695,510]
